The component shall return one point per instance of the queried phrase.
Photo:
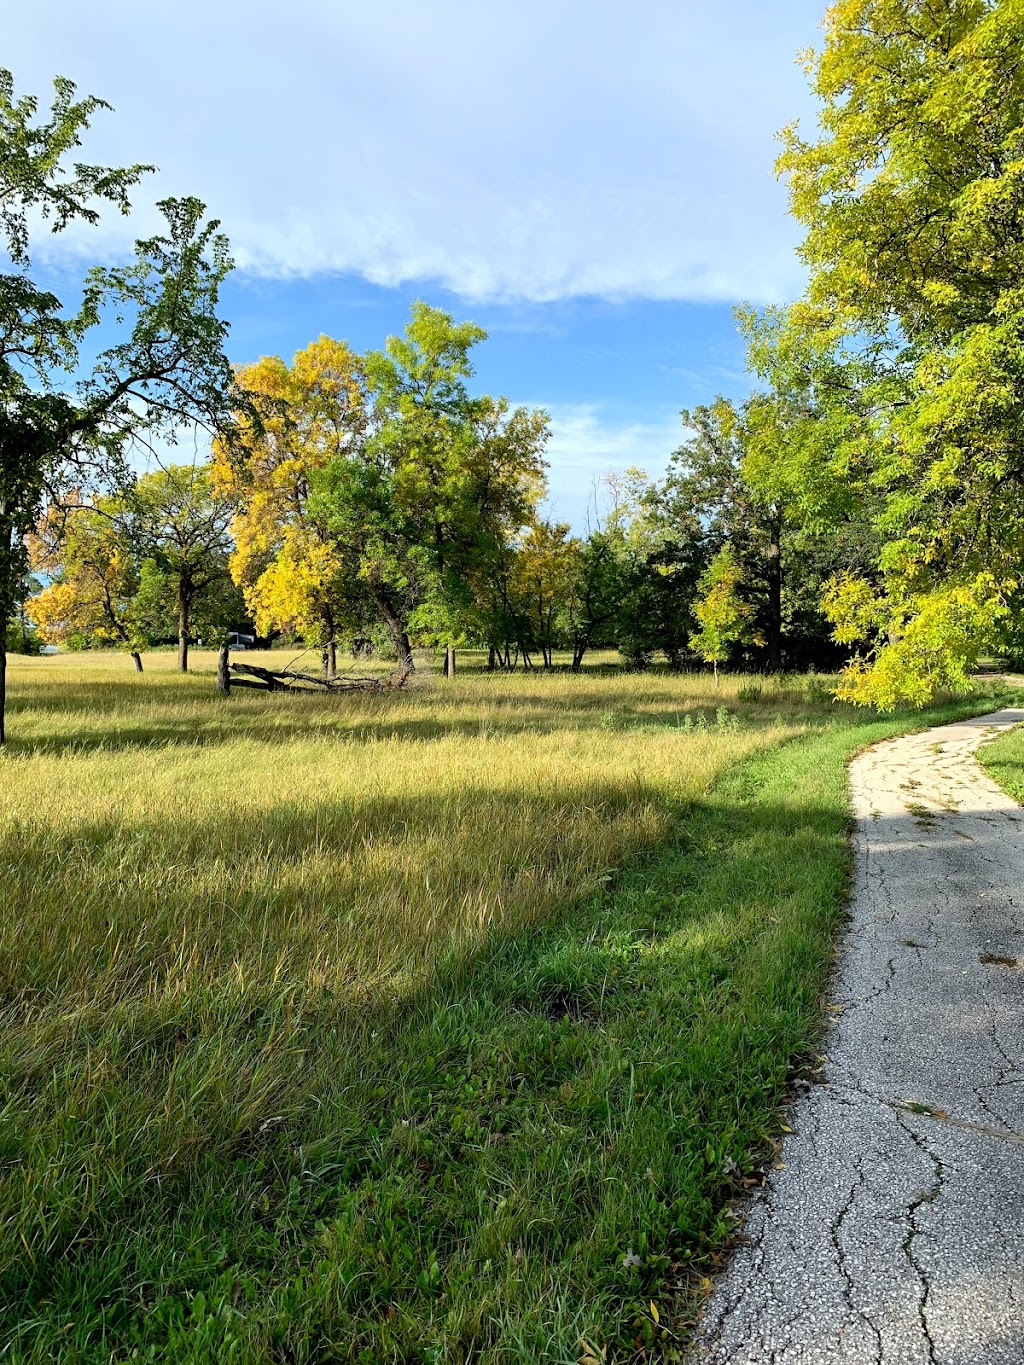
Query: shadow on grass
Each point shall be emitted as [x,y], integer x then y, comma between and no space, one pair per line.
[537,1106]
[528,1148]
[351,718]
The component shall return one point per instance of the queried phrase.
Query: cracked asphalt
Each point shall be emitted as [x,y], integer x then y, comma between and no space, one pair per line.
[892,1232]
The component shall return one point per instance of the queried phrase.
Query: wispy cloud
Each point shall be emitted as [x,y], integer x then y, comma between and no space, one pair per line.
[529,151]
[586,444]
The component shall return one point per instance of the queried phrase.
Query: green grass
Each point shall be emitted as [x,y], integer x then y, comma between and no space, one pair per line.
[388,1029]
[1003,759]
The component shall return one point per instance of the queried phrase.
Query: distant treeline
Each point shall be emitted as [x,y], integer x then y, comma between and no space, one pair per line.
[374,498]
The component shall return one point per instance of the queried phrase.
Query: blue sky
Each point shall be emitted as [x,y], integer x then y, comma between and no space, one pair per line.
[589,181]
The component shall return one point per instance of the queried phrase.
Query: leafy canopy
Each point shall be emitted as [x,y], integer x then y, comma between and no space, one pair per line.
[908,346]
[60,425]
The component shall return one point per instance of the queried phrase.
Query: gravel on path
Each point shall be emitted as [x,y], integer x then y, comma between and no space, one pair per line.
[892,1232]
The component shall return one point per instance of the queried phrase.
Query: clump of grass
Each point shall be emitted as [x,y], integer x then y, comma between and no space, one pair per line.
[432,1027]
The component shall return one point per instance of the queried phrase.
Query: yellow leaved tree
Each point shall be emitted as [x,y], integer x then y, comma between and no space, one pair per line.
[292,572]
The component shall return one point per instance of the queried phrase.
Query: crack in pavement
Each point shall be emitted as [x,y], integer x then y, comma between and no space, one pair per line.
[893,1233]
[836,1232]
[925,1196]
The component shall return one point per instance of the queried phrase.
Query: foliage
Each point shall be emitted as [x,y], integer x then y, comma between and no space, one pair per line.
[87,552]
[544,577]
[662,553]
[443,482]
[22,636]
[137,567]
[723,616]
[168,369]
[182,531]
[727,486]
[295,574]
[935,642]
[911,200]
[597,589]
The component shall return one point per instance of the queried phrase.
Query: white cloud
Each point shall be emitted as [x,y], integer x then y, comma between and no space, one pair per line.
[539,149]
[587,444]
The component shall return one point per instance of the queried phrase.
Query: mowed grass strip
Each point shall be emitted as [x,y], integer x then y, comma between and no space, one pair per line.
[335,1030]
[1003,757]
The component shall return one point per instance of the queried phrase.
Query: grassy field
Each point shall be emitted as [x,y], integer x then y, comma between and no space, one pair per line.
[439,1026]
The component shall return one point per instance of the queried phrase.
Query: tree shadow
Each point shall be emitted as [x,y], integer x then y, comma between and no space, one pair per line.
[289,719]
[614,1065]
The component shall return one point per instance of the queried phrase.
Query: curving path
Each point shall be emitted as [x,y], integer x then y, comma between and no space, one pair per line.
[893,1234]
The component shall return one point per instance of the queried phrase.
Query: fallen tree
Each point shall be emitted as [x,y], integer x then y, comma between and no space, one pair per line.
[231,675]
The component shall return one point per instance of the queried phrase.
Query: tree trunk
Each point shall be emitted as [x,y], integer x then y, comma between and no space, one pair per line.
[449,661]
[331,659]
[404,650]
[3,680]
[223,670]
[490,658]
[775,601]
[396,630]
[183,635]
[137,660]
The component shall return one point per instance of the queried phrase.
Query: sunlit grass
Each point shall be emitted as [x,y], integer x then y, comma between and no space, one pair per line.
[1003,759]
[381,1028]
[322,842]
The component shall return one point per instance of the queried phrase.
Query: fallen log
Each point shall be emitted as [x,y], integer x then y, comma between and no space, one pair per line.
[281,680]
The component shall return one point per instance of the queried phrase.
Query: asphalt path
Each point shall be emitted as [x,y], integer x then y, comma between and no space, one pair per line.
[892,1230]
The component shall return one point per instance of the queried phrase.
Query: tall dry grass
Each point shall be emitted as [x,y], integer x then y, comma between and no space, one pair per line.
[158,839]
[211,909]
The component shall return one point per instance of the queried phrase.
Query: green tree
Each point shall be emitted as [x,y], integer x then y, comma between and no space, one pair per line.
[723,489]
[911,196]
[441,483]
[724,617]
[22,635]
[661,555]
[168,368]
[544,578]
[182,530]
[596,590]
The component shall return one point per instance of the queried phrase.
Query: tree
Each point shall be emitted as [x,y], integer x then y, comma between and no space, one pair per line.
[440,484]
[168,369]
[661,551]
[182,529]
[544,577]
[596,591]
[87,553]
[911,200]
[708,493]
[723,615]
[294,572]
[22,636]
